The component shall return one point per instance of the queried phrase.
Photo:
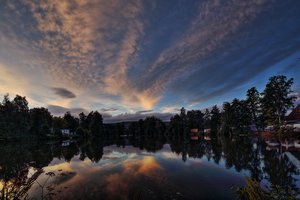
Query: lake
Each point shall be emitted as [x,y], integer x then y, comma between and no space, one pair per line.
[142,168]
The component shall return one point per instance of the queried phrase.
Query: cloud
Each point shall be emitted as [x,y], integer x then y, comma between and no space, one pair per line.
[135,55]
[215,25]
[170,109]
[109,109]
[125,117]
[108,118]
[59,110]
[62,92]
[218,53]
[144,111]
[84,37]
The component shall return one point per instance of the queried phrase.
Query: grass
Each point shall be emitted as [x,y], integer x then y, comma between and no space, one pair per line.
[254,191]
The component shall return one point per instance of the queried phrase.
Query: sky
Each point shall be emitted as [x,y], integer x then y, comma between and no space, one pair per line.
[133,58]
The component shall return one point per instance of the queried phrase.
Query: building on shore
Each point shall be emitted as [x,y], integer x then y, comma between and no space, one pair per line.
[293,119]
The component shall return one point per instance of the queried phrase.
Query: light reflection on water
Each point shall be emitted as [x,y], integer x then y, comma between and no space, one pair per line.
[174,170]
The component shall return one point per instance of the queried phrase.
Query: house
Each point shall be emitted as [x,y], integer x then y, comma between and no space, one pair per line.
[194,130]
[207,130]
[194,133]
[66,133]
[65,143]
[293,119]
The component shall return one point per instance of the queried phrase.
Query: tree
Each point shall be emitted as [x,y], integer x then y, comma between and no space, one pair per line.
[253,101]
[83,121]
[215,120]
[83,129]
[183,114]
[81,132]
[71,122]
[206,118]
[6,112]
[40,121]
[58,123]
[195,119]
[227,118]
[277,99]
[20,115]
[240,114]
[12,112]
[96,124]
[176,127]
[153,126]
[20,104]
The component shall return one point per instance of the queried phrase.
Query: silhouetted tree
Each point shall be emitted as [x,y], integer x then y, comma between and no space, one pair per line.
[153,126]
[14,117]
[58,123]
[277,99]
[206,118]
[227,118]
[83,123]
[96,124]
[71,122]
[215,120]
[195,119]
[176,126]
[253,101]
[40,121]
[240,114]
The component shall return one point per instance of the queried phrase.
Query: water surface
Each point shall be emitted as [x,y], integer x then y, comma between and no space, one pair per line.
[141,168]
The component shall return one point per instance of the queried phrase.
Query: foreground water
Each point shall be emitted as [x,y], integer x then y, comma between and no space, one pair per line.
[142,168]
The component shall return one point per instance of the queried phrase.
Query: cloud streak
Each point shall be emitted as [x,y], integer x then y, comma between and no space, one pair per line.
[60,110]
[62,92]
[137,116]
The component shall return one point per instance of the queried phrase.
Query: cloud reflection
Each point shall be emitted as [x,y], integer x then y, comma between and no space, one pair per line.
[119,184]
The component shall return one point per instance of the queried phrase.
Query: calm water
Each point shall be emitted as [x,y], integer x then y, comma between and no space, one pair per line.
[144,168]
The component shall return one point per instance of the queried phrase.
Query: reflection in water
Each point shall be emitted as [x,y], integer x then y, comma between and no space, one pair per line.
[140,168]
[118,183]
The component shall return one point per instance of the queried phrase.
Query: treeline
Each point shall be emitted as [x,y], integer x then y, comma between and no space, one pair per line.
[17,121]
[150,127]
[257,111]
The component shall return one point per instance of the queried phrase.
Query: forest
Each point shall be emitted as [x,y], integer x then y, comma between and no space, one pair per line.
[258,110]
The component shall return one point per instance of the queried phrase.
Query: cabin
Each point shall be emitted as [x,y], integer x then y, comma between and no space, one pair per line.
[293,119]
[194,133]
[66,143]
[269,128]
[67,133]
[207,130]
[194,130]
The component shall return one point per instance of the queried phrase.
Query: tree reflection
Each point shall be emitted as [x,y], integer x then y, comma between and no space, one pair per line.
[279,170]
[18,160]
[242,153]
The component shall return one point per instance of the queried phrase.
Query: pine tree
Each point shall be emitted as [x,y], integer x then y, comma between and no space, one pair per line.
[277,99]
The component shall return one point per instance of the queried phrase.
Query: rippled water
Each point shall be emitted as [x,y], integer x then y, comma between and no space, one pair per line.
[143,168]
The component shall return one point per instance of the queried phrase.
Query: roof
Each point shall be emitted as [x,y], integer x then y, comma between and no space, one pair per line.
[294,115]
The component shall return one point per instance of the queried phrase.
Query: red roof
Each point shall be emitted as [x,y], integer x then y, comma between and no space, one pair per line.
[294,115]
